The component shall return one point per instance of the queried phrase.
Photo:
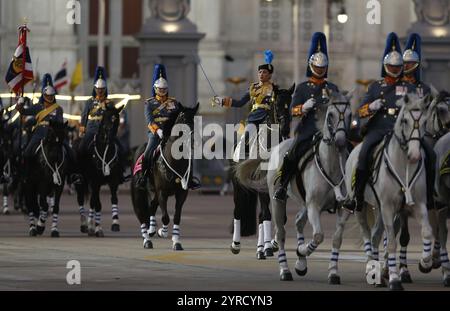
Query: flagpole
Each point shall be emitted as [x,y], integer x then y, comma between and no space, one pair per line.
[101,34]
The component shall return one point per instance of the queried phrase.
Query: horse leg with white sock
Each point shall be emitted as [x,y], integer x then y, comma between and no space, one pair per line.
[146,239]
[391,246]
[152,222]
[301,265]
[40,227]
[279,216]
[55,213]
[115,226]
[180,198]
[164,231]
[426,262]
[333,274]
[97,206]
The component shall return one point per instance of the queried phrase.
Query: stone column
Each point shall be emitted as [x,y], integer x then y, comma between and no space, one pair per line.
[170,38]
[433,24]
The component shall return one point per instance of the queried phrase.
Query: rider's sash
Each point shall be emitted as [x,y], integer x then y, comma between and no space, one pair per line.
[43,113]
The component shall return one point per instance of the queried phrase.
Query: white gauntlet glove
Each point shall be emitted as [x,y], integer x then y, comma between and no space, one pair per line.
[217,101]
[160,133]
[375,105]
[308,105]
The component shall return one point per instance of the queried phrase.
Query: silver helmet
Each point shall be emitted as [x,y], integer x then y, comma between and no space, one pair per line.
[161,83]
[318,59]
[411,56]
[49,90]
[393,58]
[100,84]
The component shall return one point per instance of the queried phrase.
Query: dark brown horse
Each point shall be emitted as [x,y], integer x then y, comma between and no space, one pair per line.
[169,177]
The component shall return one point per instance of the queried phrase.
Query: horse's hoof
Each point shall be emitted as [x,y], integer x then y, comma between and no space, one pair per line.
[334,279]
[235,248]
[84,229]
[425,269]
[382,283]
[406,277]
[39,230]
[148,244]
[447,281]
[150,234]
[115,227]
[33,231]
[275,246]
[395,285]
[99,234]
[385,273]
[268,252]
[162,234]
[286,276]
[6,211]
[260,255]
[436,263]
[91,232]
[177,247]
[301,272]
[55,234]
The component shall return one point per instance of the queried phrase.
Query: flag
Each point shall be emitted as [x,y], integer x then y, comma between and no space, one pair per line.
[18,75]
[61,77]
[77,77]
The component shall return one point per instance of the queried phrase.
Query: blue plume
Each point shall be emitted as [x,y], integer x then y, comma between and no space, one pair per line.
[318,43]
[268,56]
[391,41]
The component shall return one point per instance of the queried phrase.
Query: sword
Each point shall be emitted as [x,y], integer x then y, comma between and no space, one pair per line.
[213,100]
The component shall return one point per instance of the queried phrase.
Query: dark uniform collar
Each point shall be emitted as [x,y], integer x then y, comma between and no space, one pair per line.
[317,81]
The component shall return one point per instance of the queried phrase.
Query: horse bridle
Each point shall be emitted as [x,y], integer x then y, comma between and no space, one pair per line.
[334,131]
[442,128]
[403,141]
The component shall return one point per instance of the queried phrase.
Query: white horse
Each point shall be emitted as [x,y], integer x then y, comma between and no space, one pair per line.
[401,180]
[322,169]
[442,149]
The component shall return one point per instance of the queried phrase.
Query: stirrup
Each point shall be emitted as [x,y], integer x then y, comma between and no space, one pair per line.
[349,206]
[194,183]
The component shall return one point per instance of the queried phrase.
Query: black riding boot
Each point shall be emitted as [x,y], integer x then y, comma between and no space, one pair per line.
[360,184]
[287,170]
[140,182]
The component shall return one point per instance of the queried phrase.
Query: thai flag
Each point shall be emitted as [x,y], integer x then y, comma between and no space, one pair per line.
[18,75]
[61,77]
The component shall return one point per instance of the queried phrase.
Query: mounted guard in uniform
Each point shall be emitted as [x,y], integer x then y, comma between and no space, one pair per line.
[309,94]
[161,111]
[91,118]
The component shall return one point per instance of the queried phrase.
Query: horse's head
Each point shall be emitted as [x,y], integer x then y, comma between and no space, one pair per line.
[57,133]
[186,116]
[337,120]
[438,115]
[409,128]
[109,124]
[282,103]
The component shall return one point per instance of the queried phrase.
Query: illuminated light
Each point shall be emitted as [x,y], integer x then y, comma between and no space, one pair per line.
[169,27]
[82,98]
[342,18]
[71,117]
[439,32]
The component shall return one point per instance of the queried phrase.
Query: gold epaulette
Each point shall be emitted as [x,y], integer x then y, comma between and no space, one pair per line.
[297,111]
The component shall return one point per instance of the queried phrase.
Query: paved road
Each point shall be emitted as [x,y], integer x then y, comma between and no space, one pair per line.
[119,262]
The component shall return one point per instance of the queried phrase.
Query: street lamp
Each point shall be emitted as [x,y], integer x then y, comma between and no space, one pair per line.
[342,16]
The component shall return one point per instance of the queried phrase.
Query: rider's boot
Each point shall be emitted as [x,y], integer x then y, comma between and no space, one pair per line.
[286,171]
[357,203]
[140,182]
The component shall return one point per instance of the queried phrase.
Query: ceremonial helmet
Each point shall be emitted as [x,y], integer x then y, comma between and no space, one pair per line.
[100,80]
[392,56]
[268,57]
[412,54]
[47,87]
[318,55]
[159,78]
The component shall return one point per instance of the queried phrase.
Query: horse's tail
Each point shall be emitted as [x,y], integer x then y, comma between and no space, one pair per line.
[139,196]
[249,175]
